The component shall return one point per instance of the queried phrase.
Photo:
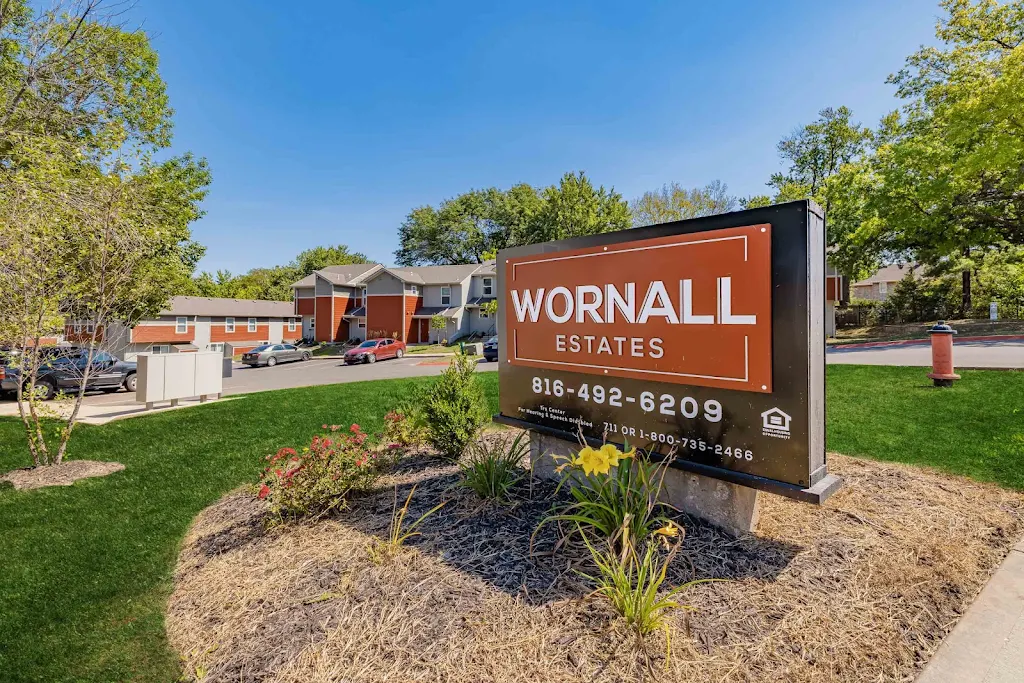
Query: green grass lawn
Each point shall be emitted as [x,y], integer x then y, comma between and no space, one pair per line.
[975,428]
[85,571]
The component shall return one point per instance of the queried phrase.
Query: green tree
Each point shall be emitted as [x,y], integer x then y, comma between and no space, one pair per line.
[318,258]
[274,283]
[464,228]
[94,230]
[439,324]
[673,202]
[945,183]
[574,208]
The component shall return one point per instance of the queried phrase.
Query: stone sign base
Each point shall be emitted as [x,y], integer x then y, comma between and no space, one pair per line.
[731,507]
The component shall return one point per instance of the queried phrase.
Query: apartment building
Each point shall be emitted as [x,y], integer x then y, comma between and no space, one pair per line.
[370,300]
[196,323]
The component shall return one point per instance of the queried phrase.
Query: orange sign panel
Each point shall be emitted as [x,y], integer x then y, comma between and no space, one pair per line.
[688,309]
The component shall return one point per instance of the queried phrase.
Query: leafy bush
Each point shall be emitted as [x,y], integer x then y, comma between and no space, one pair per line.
[491,470]
[619,507]
[403,428]
[454,408]
[320,476]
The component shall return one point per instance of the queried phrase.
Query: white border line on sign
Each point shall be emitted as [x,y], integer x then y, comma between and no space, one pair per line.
[623,251]
[746,340]
[744,378]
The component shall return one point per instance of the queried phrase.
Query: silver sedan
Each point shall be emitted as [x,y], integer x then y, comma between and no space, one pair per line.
[272,354]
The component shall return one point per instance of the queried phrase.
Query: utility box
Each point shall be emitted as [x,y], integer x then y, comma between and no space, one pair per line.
[174,376]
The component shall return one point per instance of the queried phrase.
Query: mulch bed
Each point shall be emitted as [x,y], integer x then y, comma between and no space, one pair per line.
[64,474]
[863,588]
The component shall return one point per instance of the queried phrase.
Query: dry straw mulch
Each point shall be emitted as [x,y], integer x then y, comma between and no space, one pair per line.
[861,589]
[64,474]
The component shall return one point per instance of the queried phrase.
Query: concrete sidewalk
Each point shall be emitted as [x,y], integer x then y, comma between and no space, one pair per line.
[987,646]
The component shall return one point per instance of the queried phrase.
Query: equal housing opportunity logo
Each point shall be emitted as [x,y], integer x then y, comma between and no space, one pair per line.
[775,422]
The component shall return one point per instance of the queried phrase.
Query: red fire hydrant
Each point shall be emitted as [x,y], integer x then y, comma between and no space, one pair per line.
[942,354]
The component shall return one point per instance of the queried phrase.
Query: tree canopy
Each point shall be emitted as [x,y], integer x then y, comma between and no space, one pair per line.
[673,202]
[273,283]
[466,228]
[944,182]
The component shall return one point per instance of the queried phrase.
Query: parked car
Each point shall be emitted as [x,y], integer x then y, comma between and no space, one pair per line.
[491,349]
[65,370]
[373,350]
[272,354]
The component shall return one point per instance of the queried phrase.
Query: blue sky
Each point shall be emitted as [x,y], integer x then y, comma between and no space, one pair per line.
[326,122]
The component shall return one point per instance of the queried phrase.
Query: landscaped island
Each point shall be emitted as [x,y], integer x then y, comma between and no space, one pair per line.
[87,570]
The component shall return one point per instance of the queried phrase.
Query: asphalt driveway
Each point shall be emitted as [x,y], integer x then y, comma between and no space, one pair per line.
[966,354]
[246,380]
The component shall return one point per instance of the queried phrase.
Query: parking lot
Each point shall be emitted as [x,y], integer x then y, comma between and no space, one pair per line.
[246,380]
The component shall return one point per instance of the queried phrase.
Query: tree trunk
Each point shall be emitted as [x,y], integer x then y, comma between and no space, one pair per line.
[966,302]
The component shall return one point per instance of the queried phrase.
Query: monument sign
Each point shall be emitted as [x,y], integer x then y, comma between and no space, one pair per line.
[703,339]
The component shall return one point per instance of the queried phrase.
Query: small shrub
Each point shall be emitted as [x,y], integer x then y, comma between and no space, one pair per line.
[403,428]
[320,476]
[454,408]
[491,470]
[619,507]
[382,551]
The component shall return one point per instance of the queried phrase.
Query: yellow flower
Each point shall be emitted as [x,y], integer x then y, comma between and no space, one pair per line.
[612,453]
[670,530]
[592,461]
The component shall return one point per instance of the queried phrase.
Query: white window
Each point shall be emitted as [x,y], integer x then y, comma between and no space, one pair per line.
[414,289]
[291,324]
[883,287]
[161,348]
[362,294]
[312,323]
[90,326]
[78,327]
[484,314]
[218,347]
[488,286]
[181,324]
[362,325]
[252,324]
[229,325]
[446,296]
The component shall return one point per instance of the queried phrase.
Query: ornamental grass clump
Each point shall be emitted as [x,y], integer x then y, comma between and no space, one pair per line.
[320,476]
[491,469]
[381,551]
[454,408]
[620,507]
[633,581]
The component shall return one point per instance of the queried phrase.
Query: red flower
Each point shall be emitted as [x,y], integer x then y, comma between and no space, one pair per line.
[354,429]
[264,492]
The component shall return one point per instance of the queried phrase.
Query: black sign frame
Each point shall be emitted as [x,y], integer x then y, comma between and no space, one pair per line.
[793,466]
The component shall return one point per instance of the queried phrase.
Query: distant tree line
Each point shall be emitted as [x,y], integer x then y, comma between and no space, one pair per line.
[273,283]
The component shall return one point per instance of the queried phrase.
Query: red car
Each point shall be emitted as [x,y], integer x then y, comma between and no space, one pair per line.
[373,350]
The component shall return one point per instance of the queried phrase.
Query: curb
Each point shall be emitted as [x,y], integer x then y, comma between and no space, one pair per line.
[913,342]
[986,644]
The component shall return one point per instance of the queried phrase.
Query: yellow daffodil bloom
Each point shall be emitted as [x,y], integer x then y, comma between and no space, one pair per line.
[593,461]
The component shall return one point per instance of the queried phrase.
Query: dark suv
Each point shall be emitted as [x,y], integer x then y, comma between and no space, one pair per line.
[64,372]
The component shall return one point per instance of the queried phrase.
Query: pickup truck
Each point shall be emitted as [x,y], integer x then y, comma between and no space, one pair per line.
[64,371]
